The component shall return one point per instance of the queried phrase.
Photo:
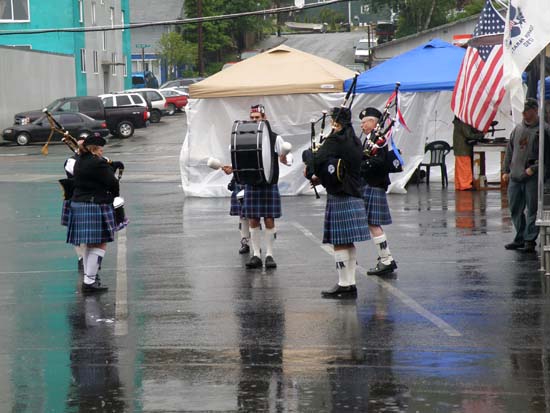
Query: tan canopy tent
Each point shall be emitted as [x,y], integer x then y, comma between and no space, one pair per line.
[294,87]
[279,71]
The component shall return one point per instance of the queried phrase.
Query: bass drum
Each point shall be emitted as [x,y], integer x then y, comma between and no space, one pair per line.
[252,153]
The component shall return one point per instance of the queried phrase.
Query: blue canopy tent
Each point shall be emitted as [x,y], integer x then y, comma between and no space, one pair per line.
[427,75]
[429,67]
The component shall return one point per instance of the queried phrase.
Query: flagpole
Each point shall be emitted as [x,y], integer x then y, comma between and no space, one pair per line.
[544,261]
[542,91]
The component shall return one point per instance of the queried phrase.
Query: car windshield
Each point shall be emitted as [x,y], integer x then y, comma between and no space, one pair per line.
[55,104]
[365,45]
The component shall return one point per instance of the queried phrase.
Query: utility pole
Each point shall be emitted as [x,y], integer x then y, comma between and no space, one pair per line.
[278,5]
[199,39]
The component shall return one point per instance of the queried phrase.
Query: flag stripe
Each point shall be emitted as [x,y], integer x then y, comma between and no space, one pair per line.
[479,88]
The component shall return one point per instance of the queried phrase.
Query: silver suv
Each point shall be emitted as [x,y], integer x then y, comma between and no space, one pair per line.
[155,101]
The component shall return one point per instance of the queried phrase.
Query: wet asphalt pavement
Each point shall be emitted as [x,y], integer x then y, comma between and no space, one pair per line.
[460,327]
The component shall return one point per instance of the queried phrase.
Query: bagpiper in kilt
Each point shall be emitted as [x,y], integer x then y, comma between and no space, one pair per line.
[375,175]
[336,165]
[91,221]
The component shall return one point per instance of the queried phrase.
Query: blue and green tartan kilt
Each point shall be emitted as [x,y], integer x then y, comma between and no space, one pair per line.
[235,203]
[345,220]
[261,201]
[65,212]
[376,205]
[90,223]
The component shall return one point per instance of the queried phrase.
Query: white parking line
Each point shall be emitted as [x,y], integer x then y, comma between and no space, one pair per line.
[408,301]
[121,299]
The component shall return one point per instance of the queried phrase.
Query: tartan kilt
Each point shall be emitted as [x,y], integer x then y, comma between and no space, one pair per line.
[235,204]
[65,212]
[376,205]
[261,201]
[90,223]
[345,220]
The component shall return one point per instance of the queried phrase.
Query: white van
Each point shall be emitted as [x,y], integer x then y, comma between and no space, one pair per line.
[363,50]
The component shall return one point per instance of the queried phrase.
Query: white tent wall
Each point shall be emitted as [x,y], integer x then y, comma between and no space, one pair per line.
[209,121]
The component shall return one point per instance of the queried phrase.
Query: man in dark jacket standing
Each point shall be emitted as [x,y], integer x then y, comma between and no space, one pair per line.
[521,169]
[375,174]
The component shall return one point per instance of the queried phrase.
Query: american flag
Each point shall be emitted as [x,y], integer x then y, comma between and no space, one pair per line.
[479,87]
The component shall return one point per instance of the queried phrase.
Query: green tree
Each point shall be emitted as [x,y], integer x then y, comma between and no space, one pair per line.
[416,15]
[176,52]
[241,27]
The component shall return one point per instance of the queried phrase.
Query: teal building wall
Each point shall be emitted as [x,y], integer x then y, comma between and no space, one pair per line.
[45,15]
[127,44]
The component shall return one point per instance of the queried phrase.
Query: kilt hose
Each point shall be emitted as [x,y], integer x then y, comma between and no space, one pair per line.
[236,208]
[90,223]
[261,201]
[345,220]
[376,206]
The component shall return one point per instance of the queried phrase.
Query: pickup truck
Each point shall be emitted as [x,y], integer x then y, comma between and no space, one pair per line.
[121,121]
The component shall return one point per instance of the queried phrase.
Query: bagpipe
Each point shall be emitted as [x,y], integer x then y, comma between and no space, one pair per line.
[316,142]
[67,184]
[381,135]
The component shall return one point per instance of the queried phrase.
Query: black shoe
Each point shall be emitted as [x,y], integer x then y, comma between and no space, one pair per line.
[96,287]
[245,249]
[514,245]
[80,264]
[382,268]
[529,246]
[270,262]
[254,262]
[339,291]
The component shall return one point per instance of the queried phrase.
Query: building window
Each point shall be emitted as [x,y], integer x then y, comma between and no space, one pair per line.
[93,14]
[83,60]
[96,65]
[113,66]
[14,10]
[104,40]
[81,10]
[112,17]
[122,19]
[125,67]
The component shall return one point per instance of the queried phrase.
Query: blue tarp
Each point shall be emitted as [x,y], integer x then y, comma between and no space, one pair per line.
[430,67]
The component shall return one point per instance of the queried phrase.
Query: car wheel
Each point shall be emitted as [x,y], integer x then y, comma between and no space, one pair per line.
[171,109]
[125,129]
[23,139]
[155,116]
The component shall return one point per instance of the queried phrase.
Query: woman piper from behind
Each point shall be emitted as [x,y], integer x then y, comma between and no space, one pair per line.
[91,216]
[336,165]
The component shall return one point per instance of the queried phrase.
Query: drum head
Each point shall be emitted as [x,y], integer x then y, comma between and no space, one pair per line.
[267,154]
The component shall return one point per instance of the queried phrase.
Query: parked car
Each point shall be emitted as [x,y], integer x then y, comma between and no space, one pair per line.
[157,102]
[363,50]
[175,100]
[121,121]
[77,124]
[89,105]
[181,82]
[144,79]
[111,100]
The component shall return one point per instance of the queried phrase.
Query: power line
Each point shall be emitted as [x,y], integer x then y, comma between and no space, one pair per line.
[178,22]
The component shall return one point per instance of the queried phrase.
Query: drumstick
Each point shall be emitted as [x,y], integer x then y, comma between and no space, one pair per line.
[213,163]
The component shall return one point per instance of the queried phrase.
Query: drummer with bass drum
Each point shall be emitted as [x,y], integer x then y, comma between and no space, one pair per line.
[261,196]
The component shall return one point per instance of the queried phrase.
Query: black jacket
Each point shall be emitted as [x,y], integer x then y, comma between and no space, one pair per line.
[94,180]
[340,145]
[375,169]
